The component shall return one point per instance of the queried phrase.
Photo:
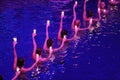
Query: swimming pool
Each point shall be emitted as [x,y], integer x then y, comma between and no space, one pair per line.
[92,57]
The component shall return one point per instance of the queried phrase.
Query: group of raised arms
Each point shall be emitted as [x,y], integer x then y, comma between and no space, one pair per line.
[18,65]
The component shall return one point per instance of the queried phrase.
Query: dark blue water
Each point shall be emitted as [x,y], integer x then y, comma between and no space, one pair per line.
[94,56]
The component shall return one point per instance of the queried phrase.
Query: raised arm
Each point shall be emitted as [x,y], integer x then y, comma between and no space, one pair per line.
[61,23]
[61,46]
[99,11]
[99,2]
[90,23]
[16,75]
[15,54]
[75,34]
[47,58]
[30,68]
[84,11]
[74,14]
[34,44]
[47,34]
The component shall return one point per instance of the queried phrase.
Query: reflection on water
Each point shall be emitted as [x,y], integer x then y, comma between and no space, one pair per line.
[90,50]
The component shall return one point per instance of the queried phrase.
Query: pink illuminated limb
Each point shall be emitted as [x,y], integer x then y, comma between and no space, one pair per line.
[82,29]
[99,2]
[28,69]
[99,11]
[61,46]
[84,11]
[74,14]
[15,53]
[75,34]
[40,59]
[34,44]
[50,52]
[61,23]
[45,59]
[47,35]
[90,23]
[16,76]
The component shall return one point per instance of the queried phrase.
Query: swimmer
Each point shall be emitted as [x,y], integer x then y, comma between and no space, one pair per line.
[37,53]
[49,41]
[94,21]
[74,16]
[89,13]
[77,22]
[18,65]
[63,32]
[101,8]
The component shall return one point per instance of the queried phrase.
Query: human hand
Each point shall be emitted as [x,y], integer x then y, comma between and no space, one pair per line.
[62,14]
[75,4]
[14,41]
[34,33]
[48,23]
